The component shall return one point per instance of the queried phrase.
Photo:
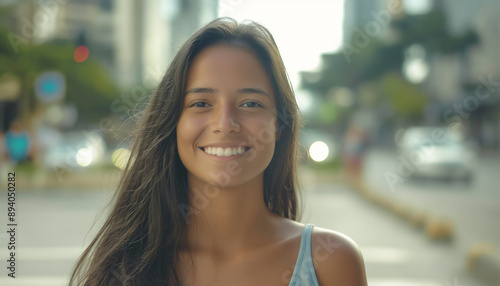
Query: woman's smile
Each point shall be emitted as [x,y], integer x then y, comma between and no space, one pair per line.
[224,154]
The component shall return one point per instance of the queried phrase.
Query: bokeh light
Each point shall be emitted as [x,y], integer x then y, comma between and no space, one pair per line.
[84,157]
[120,157]
[318,151]
[81,54]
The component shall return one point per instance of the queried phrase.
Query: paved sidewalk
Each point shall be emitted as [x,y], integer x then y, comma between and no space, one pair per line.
[435,216]
[91,179]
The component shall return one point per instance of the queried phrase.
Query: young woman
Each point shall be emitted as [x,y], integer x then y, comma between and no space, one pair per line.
[209,195]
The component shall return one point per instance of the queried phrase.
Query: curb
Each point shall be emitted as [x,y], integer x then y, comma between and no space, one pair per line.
[484,262]
[85,180]
[438,228]
[434,227]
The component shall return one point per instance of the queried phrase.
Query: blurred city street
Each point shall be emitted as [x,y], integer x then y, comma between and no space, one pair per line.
[471,207]
[54,225]
[379,85]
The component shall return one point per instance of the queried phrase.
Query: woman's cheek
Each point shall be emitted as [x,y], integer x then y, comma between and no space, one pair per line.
[189,126]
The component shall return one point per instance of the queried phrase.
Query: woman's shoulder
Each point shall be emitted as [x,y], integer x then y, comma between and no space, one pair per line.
[337,258]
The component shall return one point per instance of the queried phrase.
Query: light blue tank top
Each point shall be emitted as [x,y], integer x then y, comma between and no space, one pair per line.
[304,273]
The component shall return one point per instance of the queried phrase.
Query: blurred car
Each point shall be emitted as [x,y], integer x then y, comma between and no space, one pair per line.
[437,152]
[74,151]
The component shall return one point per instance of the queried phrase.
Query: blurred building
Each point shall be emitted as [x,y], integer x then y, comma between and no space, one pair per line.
[357,13]
[134,39]
[467,83]
[148,34]
[82,22]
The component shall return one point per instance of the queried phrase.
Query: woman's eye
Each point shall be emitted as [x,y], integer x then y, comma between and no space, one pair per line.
[199,104]
[252,104]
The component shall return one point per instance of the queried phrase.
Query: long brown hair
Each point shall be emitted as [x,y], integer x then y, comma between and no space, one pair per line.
[140,242]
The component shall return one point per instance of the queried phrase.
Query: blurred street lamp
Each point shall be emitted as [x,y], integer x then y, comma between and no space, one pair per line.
[415,68]
[318,151]
[417,6]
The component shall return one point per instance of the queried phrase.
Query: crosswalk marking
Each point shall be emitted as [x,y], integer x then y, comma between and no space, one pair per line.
[371,255]
[35,280]
[46,253]
[385,255]
[404,282]
[61,280]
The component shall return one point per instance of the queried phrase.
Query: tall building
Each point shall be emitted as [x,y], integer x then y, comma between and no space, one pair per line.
[148,34]
[357,13]
[467,82]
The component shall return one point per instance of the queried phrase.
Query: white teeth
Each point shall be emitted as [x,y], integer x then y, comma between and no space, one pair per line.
[220,151]
[224,152]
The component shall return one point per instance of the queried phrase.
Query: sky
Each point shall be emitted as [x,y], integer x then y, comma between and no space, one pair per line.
[303,30]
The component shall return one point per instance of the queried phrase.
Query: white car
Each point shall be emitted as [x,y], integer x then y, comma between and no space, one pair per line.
[437,152]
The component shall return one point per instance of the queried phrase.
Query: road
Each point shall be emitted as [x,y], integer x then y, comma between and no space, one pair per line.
[474,208]
[52,227]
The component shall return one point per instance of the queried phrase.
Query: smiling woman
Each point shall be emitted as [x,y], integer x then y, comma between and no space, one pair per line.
[237,104]
[209,194]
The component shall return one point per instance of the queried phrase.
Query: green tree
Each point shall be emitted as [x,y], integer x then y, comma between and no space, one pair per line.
[381,61]
[88,85]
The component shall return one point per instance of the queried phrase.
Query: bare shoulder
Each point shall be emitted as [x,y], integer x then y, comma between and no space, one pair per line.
[337,259]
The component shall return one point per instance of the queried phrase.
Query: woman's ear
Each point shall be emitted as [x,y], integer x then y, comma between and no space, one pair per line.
[278,132]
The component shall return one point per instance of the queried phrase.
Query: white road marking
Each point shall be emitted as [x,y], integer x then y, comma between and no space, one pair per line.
[385,255]
[45,253]
[35,281]
[403,282]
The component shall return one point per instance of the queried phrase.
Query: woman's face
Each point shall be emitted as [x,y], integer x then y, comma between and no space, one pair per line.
[227,129]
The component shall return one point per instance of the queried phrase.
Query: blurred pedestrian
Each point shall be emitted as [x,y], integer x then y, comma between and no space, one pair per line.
[354,150]
[4,160]
[209,193]
[18,143]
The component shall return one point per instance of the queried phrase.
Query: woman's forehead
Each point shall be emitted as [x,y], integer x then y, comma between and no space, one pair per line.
[227,65]
[224,54]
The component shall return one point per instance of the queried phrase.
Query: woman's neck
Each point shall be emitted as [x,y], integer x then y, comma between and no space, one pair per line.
[225,221]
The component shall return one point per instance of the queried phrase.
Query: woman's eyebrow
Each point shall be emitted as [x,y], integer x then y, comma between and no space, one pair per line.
[200,90]
[240,91]
[253,90]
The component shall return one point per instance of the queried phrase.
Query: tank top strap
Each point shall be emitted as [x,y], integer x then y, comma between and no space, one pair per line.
[304,273]
[306,238]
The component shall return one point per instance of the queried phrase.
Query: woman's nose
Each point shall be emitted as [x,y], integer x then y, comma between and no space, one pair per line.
[224,120]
